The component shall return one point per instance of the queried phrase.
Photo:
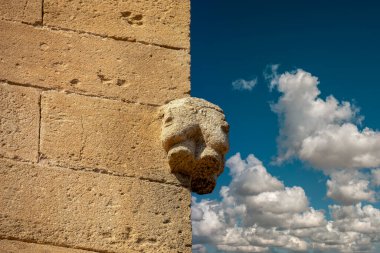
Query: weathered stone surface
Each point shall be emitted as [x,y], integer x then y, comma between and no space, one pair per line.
[195,135]
[91,210]
[80,131]
[10,246]
[29,11]
[164,22]
[19,122]
[92,65]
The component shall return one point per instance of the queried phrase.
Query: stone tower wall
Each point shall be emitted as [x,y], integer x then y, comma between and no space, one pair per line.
[82,168]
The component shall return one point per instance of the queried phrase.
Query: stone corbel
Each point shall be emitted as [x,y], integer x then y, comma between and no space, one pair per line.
[195,137]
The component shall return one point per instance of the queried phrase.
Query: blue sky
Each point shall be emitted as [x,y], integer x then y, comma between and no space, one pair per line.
[335,41]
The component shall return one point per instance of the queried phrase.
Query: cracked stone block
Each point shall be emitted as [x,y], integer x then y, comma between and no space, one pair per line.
[92,211]
[29,11]
[19,122]
[163,22]
[86,132]
[12,246]
[195,137]
[92,65]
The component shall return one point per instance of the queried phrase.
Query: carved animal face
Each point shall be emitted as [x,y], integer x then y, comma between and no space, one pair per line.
[195,136]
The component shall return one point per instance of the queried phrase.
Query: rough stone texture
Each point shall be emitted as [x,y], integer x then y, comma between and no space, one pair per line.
[82,167]
[19,122]
[92,211]
[92,65]
[164,22]
[10,246]
[29,11]
[195,136]
[80,131]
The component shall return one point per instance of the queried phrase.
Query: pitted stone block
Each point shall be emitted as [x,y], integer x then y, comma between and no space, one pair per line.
[91,65]
[28,11]
[19,122]
[162,22]
[195,137]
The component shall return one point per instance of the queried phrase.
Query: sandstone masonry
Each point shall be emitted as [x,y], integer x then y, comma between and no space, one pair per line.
[82,168]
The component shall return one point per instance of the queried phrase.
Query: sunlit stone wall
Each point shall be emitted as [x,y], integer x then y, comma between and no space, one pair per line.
[82,168]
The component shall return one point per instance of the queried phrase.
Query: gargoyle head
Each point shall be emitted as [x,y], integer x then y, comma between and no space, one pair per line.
[195,137]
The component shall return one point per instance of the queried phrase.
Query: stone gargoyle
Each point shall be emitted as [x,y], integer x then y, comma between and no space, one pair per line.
[195,137]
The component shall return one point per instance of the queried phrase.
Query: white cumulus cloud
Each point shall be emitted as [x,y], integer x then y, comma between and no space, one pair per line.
[250,177]
[271,215]
[357,218]
[326,134]
[349,187]
[322,132]
[257,212]
[342,146]
[376,177]
[288,200]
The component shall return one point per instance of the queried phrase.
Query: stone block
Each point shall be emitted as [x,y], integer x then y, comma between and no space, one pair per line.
[11,246]
[92,65]
[19,122]
[163,22]
[29,11]
[92,211]
[86,132]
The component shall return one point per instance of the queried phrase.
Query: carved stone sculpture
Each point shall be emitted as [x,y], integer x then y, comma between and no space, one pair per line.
[195,137]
